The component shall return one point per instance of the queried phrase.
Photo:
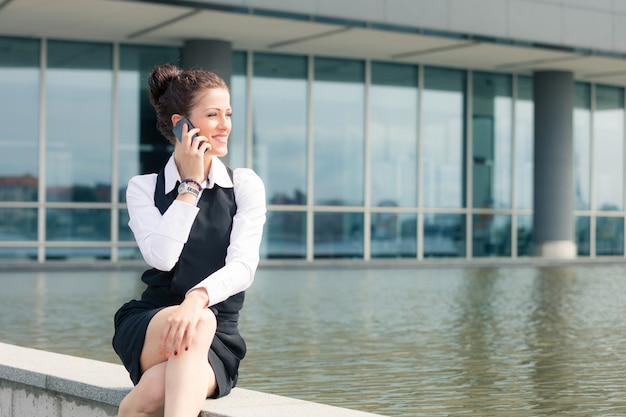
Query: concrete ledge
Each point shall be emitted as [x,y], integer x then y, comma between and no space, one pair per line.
[39,383]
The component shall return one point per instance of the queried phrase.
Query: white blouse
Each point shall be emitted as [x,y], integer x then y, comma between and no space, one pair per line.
[161,237]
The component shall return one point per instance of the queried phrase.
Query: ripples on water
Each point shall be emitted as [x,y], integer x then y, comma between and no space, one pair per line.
[514,341]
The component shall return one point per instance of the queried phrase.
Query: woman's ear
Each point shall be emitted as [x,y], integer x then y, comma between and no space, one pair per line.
[176,118]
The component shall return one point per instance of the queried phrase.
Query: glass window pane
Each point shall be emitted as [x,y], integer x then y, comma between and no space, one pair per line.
[19,118]
[393,135]
[338,235]
[124,232]
[582,147]
[608,152]
[492,107]
[582,228]
[78,224]
[491,235]
[338,120]
[525,236]
[279,91]
[610,236]
[78,252]
[129,253]
[238,101]
[524,143]
[444,235]
[18,224]
[142,148]
[284,235]
[15,253]
[443,142]
[79,87]
[394,235]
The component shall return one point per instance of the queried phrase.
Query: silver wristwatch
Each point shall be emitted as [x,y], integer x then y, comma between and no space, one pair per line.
[186,188]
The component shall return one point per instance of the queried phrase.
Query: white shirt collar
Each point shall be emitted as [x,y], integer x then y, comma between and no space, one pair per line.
[217,175]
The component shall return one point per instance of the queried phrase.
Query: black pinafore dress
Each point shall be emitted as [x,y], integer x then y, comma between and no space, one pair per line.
[203,254]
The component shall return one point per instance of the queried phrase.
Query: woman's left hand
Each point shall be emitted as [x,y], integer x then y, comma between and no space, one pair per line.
[179,330]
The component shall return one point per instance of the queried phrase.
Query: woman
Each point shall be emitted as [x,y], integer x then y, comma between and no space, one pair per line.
[198,225]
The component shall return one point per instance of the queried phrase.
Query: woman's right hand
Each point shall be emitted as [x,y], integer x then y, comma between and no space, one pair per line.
[189,154]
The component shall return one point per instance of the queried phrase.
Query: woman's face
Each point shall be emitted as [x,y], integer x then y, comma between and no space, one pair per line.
[211,115]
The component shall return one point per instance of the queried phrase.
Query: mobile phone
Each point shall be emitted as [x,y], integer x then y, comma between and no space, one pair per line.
[178,129]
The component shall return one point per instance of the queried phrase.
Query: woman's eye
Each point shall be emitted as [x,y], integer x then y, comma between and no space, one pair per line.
[229,114]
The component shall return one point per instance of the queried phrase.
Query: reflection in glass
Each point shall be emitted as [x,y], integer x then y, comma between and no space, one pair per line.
[284,235]
[279,94]
[444,235]
[78,224]
[582,147]
[608,152]
[491,235]
[338,235]
[338,131]
[15,253]
[18,224]
[142,148]
[443,159]
[525,236]
[124,232]
[582,230]
[609,236]
[524,143]
[492,126]
[394,235]
[78,252]
[19,104]
[79,83]
[393,135]
[238,99]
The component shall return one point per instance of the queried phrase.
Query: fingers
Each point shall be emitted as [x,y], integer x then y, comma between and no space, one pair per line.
[177,335]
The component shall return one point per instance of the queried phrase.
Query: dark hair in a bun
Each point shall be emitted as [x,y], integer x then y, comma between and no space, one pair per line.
[174,91]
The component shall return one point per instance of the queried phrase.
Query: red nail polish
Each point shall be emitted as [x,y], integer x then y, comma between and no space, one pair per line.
[186,348]
[160,351]
[175,353]
[167,355]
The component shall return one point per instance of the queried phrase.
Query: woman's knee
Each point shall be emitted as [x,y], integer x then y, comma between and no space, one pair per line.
[207,324]
[148,396]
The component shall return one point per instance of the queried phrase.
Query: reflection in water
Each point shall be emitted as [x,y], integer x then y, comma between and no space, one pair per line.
[516,341]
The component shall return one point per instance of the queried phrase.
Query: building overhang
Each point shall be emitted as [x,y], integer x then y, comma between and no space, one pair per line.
[173,22]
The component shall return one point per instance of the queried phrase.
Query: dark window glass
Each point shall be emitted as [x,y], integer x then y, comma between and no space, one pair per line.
[608,148]
[142,148]
[525,235]
[78,224]
[393,135]
[491,235]
[610,236]
[582,147]
[338,132]
[492,107]
[394,235]
[443,139]
[444,235]
[19,118]
[18,224]
[582,230]
[284,235]
[338,235]
[524,143]
[279,94]
[239,102]
[79,90]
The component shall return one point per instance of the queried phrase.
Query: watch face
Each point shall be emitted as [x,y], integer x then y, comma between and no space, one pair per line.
[186,188]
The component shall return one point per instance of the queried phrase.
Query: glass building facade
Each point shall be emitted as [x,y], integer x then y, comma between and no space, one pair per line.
[361,159]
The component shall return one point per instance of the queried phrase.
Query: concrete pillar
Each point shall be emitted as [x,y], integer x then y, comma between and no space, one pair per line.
[554,158]
[209,54]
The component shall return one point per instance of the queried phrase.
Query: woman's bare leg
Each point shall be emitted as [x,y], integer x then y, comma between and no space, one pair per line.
[178,386]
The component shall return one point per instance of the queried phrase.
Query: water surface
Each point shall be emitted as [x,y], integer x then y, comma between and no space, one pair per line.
[507,341]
